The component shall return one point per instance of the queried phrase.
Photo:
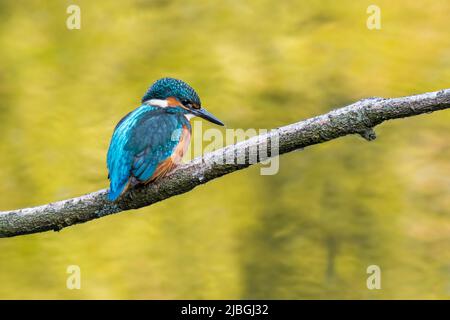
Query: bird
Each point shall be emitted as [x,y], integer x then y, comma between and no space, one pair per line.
[151,140]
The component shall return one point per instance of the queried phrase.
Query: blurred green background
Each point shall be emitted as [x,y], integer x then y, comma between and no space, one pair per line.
[308,232]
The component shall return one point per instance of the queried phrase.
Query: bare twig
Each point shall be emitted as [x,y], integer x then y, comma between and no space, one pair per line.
[358,118]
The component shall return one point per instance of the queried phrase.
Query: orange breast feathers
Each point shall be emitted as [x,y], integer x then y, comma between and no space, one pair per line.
[170,163]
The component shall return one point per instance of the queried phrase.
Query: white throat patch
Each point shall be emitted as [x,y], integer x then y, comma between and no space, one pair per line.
[189,116]
[157,102]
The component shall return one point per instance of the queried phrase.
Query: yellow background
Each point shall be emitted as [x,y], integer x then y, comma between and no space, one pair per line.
[308,232]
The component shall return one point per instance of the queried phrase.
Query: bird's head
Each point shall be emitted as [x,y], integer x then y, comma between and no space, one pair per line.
[170,92]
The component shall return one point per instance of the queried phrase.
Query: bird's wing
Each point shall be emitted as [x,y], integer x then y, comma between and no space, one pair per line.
[153,141]
[140,142]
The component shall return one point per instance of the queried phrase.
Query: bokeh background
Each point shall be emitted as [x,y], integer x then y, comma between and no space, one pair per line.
[308,232]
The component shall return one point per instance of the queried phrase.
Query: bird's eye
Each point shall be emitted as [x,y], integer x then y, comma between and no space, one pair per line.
[189,104]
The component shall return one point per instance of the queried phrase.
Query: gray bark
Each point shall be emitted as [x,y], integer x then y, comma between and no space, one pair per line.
[358,118]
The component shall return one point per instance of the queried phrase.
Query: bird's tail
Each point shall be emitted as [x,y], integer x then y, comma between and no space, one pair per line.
[116,191]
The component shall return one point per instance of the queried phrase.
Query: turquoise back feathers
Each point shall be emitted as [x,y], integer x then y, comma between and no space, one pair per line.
[143,139]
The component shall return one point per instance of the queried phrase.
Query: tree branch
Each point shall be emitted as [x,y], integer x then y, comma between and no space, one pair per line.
[358,118]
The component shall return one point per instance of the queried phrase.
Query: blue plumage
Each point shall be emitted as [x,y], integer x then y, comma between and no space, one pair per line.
[142,140]
[166,87]
[145,140]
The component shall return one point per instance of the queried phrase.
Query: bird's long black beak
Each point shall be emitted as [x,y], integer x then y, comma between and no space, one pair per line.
[202,113]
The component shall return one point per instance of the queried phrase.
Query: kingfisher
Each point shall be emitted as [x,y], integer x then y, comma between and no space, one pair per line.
[152,139]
